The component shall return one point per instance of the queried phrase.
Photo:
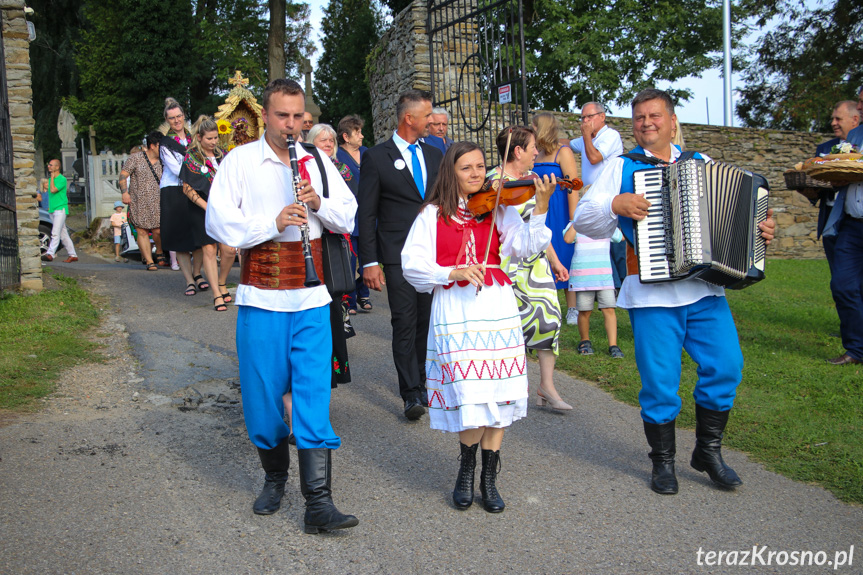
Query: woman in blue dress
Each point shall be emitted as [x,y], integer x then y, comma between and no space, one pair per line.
[559,160]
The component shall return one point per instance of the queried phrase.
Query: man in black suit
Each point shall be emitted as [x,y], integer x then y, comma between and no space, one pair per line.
[397,175]
[845,118]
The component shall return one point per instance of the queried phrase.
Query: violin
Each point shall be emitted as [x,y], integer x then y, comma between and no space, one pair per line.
[512,193]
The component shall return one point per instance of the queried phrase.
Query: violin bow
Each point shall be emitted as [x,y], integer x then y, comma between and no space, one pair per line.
[494,211]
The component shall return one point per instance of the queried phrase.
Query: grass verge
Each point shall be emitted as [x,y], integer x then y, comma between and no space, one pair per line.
[42,335]
[795,413]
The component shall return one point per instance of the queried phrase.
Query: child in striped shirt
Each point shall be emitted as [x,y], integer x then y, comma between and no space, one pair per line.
[591,278]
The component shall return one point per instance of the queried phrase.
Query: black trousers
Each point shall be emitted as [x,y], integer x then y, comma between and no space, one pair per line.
[410,320]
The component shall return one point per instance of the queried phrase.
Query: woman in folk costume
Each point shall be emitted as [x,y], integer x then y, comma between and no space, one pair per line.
[476,365]
[173,206]
[197,172]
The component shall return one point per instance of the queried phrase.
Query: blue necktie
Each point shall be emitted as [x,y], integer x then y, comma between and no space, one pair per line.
[418,170]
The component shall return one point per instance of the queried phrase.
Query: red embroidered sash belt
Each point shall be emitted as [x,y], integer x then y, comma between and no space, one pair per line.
[279,265]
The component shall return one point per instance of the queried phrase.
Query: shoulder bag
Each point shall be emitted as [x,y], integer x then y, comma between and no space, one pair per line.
[338,275]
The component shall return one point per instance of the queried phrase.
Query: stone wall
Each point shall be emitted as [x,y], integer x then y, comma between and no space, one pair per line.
[16,46]
[401,61]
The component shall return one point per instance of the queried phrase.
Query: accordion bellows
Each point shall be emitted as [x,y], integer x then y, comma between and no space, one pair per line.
[703,222]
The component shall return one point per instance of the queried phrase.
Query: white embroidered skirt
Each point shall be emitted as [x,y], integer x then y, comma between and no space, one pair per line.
[476,369]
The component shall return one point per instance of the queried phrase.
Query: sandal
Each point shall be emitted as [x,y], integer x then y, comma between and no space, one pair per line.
[585,347]
[151,267]
[203,285]
[190,290]
[221,306]
[352,311]
[364,304]
[162,260]
[226,295]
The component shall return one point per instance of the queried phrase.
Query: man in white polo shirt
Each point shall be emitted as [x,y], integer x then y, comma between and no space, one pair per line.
[598,145]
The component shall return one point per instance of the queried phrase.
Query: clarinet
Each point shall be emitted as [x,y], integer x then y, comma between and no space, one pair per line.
[311,276]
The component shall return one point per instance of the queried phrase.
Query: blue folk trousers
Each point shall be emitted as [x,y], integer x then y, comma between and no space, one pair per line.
[281,352]
[705,329]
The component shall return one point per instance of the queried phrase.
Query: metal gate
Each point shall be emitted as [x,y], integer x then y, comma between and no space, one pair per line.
[10,272]
[476,53]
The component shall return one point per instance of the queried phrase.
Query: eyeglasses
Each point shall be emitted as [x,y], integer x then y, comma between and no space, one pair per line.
[583,118]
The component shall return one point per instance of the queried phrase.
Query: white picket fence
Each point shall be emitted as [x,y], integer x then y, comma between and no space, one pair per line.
[104,188]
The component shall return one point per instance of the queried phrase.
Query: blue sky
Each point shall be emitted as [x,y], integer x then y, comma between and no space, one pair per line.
[707,90]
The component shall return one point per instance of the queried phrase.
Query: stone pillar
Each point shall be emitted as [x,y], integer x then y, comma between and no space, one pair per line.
[399,62]
[16,46]
[311,107]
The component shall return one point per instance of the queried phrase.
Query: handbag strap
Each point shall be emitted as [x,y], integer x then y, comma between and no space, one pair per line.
[152,171]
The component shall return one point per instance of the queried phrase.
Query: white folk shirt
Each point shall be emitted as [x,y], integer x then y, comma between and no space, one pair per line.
[593,218]
[171,164]
[608,143]
[250,189]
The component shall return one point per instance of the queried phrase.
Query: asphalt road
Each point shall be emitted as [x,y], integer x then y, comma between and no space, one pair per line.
[141,465]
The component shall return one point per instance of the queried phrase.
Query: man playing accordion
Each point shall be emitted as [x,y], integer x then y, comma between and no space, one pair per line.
[688,314]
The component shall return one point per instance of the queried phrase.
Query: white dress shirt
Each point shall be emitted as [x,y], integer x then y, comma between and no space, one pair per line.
[171,164]
[250,189]
[594,218]
[402,145]
[854,200]
[608,143]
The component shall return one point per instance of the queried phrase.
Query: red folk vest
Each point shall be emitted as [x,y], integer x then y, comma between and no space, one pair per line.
[461,242]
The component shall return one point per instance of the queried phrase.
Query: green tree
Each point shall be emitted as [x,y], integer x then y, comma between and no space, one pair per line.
[130,57]
[582,50]
[289,39]
[350,30]
[52,57]
[230,35]
[397,6]
[133,54]
[812,59]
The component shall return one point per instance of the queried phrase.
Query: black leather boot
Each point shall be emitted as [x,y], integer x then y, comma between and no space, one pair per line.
[707,456]
[462,495]
[661,439]
[275,463]
[491,499]
[315,483]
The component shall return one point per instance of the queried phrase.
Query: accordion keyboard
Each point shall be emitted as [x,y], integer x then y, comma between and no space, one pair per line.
[653,246]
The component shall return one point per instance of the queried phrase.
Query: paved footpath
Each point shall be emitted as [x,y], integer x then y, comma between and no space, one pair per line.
[141,465]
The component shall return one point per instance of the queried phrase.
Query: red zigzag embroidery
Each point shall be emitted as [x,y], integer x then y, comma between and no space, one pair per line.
[492,370]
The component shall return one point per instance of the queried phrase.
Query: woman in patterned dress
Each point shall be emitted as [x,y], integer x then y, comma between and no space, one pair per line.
[139,183]
[197,173]
[476,365]
[534,277]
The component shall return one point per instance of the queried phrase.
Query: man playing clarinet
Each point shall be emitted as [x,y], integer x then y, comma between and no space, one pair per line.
[689,314]
[284,342]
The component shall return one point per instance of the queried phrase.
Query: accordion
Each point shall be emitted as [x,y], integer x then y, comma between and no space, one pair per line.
[702,222]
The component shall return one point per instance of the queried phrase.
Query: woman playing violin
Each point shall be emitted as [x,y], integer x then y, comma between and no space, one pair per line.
[534,277]
[476,365]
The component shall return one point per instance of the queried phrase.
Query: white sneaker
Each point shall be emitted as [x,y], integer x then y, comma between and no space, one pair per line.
[572,316]
[175,267]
